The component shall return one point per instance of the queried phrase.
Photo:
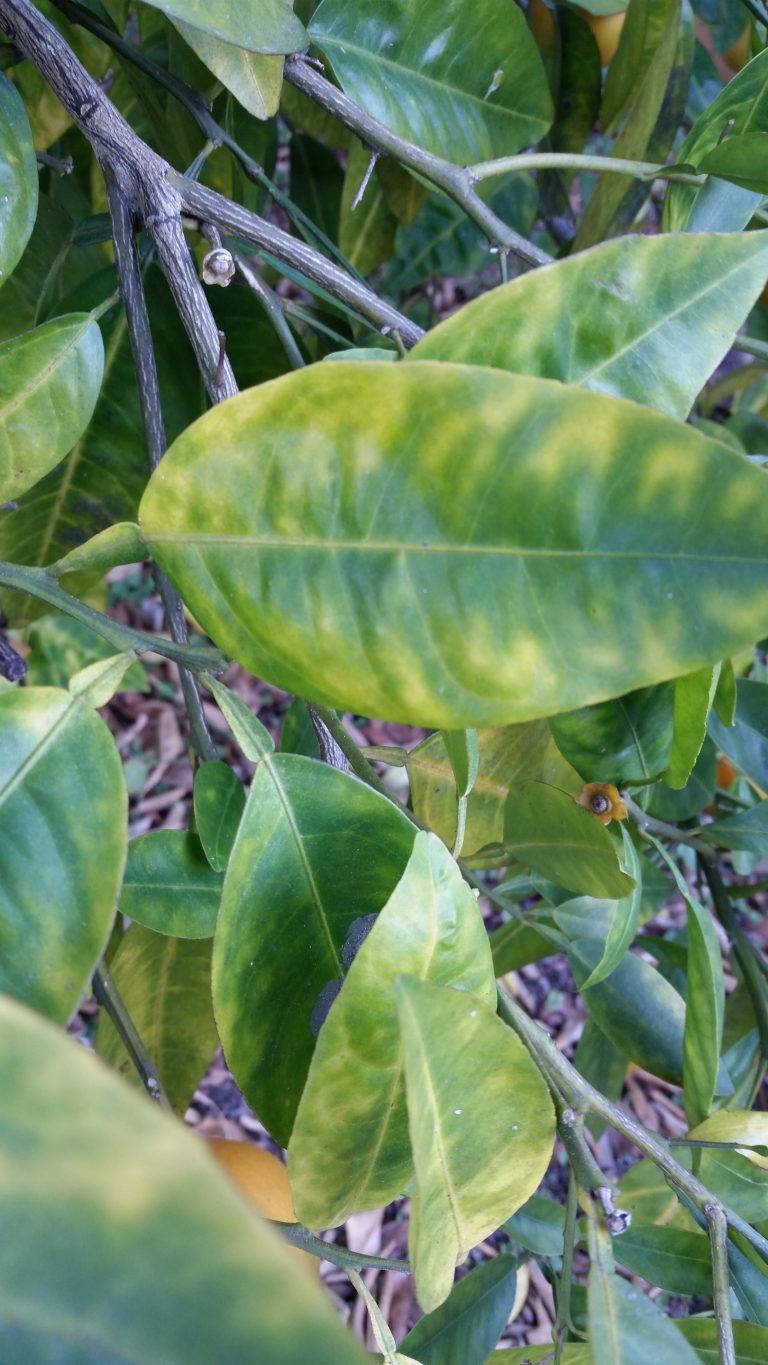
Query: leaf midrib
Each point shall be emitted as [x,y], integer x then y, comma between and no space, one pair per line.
[306,868]
[38,752]
[42,376]
[246,542]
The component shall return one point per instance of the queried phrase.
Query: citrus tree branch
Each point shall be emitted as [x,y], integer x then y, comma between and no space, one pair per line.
[574,161]
[455,181]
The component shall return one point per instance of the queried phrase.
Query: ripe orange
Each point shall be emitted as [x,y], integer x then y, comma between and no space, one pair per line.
[263,1180]
[725,772]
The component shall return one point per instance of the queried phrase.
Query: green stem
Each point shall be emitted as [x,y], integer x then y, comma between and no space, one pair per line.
[718,1241]
[586,1099]
[744,951]
[646,822]
[751,346]
[301,1237]
[273,308]
[571,161]
[566,1274]
[107,994]
[41,584]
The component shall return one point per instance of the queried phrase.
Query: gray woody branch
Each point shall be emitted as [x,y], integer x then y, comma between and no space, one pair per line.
[159,196]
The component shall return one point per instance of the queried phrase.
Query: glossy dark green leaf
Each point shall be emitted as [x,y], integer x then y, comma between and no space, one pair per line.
[49,382]
[165,984]
[349,1149]
[750,1286]
[103,477]
[18,178]
[538,1226]
[678,1261]
[254,80]
[740,108]
[123,1239]
[724,700]
[304,564]
[746,830]
[367,230]
[647,318]
[668,804]
[268,26]
[219,802]
[601,1063]
[625,1327]
[481,1125]
[545,829]
[694,694]
[476,91]
[516,944]
[626,740]
[578,93]
[703,1334]
[505,755]
[169,885]
[316,850]
[63,812]
[636,1009]
[465,1329]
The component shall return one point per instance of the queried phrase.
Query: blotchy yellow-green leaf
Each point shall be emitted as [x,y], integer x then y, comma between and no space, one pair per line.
[454,546]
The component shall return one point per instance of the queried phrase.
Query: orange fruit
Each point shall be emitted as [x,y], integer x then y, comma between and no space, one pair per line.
[725,772]
[263,1180]
[607,30]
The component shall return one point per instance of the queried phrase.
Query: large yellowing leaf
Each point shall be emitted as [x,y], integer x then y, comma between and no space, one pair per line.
[481,1124]
[463,81]
[316,850]
[18,178]
[122,1239]
[453,546]
[647,318]
[63,809]
[49,382]
[349,1149]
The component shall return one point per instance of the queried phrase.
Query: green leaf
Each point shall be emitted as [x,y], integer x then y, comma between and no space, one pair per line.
[625,740]
[253,737]
[745,741]
[124,1241]
[476,91]
[316,850]
[464,754]
[481,1124]
[119,544]
[625,1328]
[745,1126]
[638,47]
[678,1261]
[63,809]
[668,804]
[694,695]
[169,885]
[60,646]
[304,565]
[367,232]
[349,1148]
[267,26]
[724,700]
[742,160]
[647,318]
[636,1008]
[505,755]
[741,107]
[703,1334]
[532,1355]
[655,104]
[97,683]
[102,479]
[746,830]
[165,984]
[18,178]
[49,382]
[219,802]
[545,829]
[254,80]
[624,919]
[538,1226]
[465,1329]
